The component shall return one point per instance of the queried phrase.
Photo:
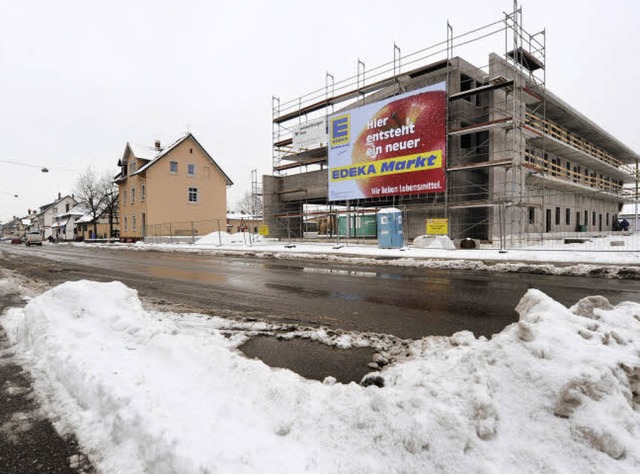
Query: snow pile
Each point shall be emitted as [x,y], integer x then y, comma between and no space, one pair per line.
[151,392]
[224,238]
[433,242]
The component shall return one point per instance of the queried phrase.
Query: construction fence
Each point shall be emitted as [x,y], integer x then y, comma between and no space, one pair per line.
[466,230]
[211,232]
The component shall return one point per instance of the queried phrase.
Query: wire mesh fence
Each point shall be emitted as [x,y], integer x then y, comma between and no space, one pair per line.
[479,230]
[211,232]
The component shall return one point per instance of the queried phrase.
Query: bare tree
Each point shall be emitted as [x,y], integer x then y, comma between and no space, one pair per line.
[97,194]
[250,204]
[111,202]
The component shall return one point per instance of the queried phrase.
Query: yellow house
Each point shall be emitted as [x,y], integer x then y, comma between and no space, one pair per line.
[170,191]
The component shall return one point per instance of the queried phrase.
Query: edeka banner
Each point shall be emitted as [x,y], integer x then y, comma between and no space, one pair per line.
[389,148]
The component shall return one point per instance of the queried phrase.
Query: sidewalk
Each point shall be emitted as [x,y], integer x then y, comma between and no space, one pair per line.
[596,258]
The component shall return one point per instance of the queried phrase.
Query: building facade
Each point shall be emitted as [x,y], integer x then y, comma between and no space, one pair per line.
[46,216]
[178,189]
[519,161]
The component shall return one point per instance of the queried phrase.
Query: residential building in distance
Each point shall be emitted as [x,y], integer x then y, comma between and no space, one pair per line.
[174,190]
[47,213]
[104,227]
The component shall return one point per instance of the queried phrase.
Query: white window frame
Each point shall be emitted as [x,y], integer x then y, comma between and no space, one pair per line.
[133,222]
[191,169]
[124,197]
[133,195]
[193,190]
[126,223]
[142,192]
[171,163]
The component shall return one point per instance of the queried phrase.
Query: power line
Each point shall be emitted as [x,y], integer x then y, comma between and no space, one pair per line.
[43,169]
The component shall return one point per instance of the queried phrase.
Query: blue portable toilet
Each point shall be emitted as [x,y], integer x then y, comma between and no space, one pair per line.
[390,234]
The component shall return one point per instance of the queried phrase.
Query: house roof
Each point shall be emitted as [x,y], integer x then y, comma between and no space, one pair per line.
[77,210]
[46,207]
[161,153]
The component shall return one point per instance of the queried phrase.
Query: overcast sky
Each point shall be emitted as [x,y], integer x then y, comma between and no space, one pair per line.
[78,78]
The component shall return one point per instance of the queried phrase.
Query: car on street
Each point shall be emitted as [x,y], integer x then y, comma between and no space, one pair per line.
[33,238]
[16,240]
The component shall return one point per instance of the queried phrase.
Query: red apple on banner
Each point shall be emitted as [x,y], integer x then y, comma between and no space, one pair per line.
[427,113]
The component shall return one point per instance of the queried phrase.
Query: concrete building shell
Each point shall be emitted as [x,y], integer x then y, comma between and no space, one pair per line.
[520,161]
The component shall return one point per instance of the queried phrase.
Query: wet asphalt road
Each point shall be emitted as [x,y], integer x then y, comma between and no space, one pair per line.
[28,440]
[405,302]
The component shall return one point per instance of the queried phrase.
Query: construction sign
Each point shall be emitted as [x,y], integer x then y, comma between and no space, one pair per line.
[437,226]
[263,230]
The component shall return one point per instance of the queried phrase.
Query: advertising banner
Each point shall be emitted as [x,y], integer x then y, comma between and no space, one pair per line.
[393,147]
[310,134]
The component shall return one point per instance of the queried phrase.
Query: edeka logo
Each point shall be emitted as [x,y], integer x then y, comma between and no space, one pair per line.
[340,128]
[401,164]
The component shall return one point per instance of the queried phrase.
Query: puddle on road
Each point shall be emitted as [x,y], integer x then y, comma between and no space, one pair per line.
[311,359]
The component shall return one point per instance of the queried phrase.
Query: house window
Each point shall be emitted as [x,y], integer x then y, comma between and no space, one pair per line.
[133,222]
[567,216]
[193,194]
[593,218]
[132,167]
[557,216]
[66,207]
[586,217]
[133,195]
[126,223]
[532,215]
[173,167]
[142,192]
[124,197]
[54,210]
[191,169]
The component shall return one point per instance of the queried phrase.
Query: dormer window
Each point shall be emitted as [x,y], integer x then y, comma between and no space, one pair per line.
[132,167]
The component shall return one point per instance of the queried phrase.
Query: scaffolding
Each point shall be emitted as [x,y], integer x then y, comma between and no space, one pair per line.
[509,164]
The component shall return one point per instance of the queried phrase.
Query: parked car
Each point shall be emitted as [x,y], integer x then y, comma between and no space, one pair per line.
[33,238]
[16,240]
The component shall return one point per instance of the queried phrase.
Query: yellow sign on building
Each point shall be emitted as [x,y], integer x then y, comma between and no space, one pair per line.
[437,226]
[263,230]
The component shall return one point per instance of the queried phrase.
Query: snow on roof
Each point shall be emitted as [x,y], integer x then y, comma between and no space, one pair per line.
[143,151]
[150,152]
[389,210]
[239,215]
[174,144]
[85,218]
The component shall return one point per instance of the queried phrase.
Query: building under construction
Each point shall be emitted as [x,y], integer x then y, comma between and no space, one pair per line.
[521,164]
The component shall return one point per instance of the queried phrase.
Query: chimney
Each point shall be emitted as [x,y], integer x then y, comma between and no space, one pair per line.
[158,145]
[59,195]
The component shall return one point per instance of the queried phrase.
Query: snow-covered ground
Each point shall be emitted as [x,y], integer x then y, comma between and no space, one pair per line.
[597,258]
[146,391]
